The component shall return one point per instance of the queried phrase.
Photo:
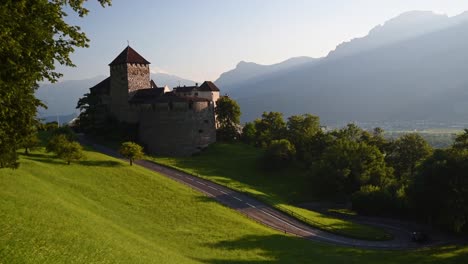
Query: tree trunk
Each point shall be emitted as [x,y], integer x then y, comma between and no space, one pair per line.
[26,151]
[68,162]
[131,162]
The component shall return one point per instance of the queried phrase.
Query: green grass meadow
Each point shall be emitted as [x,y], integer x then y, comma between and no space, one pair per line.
[237,166]
[101,210]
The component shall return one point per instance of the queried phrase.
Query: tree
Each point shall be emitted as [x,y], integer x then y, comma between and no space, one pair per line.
[440,189]
[34,37]
[406,153]
[131,151]
[301,130]
[461,141]
[248,133]
[270,127]
[70,151]
[64,148]
[30,143]
[228,118]
[56,142]
[347,165]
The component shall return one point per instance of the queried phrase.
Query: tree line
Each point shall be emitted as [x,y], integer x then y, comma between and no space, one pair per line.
[379,176]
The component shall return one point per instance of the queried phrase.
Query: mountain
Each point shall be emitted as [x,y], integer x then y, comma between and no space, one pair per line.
[245,71]
[61,97]
[423,76]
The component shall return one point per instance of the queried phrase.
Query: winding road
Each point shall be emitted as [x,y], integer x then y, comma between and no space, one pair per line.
[267,215]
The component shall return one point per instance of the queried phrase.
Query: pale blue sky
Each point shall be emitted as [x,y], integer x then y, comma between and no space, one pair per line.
[200,39]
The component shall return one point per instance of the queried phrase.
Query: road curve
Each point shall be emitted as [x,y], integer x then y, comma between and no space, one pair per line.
[262,212]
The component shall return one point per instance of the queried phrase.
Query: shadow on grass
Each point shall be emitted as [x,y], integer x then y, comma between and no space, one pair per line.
[284,249]
[100,163]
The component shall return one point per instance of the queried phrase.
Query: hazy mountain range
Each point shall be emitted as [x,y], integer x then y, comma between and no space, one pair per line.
[61,97]
[413,67]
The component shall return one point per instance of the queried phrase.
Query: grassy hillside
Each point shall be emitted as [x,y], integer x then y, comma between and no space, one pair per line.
[237,166]
[104,211]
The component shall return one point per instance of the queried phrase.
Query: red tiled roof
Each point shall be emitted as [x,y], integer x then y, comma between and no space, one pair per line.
[129,55]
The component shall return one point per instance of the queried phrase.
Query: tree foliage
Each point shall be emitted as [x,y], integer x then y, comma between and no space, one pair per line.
[270,127]
[34,37]
[131,150]
[406,153]
[347,165]
[228,118]
[30,143]
[279,153]
[440,189]
[65,148]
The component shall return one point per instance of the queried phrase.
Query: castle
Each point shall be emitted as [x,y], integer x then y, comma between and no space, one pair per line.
[180,121]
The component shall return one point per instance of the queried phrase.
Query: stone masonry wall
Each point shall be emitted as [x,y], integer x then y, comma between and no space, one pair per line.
[177,131]
[138,77]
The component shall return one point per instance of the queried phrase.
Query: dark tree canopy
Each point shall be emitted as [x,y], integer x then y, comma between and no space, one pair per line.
[34,37]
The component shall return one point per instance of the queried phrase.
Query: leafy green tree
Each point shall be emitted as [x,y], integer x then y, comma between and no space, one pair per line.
[132,151]
[270,127]
[34,38]
[55,142]
[87,120]
[70,151]
[301,130]
[30,143]
[440,189]
[347,165]
[228,118]
[280,152]
[248,133]
[406,153]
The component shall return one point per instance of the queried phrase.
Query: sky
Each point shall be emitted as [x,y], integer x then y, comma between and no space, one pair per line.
[200,39]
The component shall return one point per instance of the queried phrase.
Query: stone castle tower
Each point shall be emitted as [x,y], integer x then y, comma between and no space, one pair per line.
[129,72]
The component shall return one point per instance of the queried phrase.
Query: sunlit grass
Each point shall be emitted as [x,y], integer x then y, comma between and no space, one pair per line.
[238,166]
[104,211]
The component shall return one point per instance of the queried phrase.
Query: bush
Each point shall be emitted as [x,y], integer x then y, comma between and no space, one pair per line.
[64,148]
[372,200]
[280,152]
[70,151]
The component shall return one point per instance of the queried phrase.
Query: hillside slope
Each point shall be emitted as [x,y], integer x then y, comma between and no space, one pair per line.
[104,211]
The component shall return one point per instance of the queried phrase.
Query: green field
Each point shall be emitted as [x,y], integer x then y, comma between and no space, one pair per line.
[237,166]
[104,211]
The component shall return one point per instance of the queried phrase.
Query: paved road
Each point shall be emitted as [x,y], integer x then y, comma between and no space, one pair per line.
[265,214]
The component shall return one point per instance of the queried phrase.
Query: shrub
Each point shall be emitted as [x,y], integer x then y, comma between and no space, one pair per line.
[373,200]
[280,152]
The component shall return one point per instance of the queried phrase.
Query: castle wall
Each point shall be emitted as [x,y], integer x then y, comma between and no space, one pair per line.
[177,129]
[126,78]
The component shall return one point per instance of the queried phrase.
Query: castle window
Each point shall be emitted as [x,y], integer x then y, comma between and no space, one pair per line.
[206,121]
[190,105]
[196,94]
[171,105]
[200,131]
